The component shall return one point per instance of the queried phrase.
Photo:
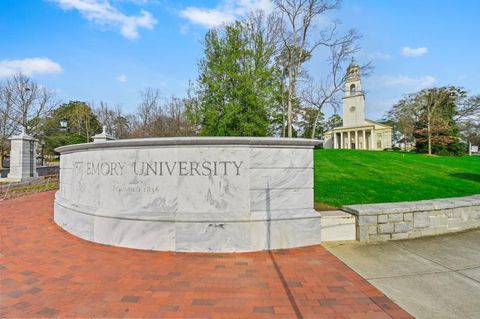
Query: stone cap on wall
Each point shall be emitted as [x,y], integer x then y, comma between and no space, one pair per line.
[22,136]
[190,141]
[406,207]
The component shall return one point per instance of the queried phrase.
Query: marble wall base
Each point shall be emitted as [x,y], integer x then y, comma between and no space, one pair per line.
[303,229]
[338,226]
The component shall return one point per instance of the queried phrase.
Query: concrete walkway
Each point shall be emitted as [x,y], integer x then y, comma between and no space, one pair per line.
[434,277]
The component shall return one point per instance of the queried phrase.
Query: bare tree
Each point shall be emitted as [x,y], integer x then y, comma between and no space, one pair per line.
[23,103]
[148,111]
[432,101]
[299,17]
[325,93]
[470,131]
[468,107]
[468,118]
[7,124]
[30,102]
[112,117]
[172,120]
[157,117]
[266,28]
[428,115]
[403,116]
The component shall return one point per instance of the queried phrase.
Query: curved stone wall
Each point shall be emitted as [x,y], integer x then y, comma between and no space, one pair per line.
[190,194]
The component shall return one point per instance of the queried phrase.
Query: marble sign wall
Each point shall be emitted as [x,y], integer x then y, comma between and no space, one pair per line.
[190,194]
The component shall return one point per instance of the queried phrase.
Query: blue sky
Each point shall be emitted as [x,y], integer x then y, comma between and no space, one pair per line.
[109,50]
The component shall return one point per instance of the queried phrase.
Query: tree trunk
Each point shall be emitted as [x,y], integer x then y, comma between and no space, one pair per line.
[289,105]
[282,94]
[429,136]
[315,124]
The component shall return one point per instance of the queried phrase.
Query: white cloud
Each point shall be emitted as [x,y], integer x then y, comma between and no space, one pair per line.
[411,52]
[29,67]
[207,17]
[378,56]
[102,13]
[403,80]
[122,78]
[228,11]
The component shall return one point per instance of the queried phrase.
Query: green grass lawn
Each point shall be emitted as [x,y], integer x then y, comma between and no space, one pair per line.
[345,177]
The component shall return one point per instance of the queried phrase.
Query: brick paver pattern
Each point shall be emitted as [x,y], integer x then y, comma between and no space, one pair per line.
[47,272]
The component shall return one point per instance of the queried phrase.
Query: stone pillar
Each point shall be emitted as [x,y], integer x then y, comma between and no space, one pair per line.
[372,138]
[364,140]
[334,140]
[341,140]
[22,158]
[349,140]
[356,139]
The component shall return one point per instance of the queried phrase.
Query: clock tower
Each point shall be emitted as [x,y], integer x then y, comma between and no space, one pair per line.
[354,99]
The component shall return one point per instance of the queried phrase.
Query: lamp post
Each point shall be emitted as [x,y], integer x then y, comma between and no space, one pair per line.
[64,125]
[42,142]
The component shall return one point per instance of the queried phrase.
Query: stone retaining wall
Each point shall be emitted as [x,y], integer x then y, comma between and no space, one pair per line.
[41,171]
[379,222]
[48,170]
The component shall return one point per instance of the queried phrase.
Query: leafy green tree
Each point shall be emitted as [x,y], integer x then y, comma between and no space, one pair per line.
[332,122]
[71,123]
[238,83]
[309,123]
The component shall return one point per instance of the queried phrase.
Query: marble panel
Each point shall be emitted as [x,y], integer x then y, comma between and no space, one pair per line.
[80,225]
[275,199]
[139,234]
[280,178]
[213,236]
[66,176]
[222,191]
[281,234]
[293,213]
[281,158]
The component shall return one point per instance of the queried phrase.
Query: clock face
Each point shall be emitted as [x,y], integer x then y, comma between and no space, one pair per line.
[352,109]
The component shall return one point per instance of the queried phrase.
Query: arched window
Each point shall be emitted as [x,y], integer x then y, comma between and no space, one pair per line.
[352,89]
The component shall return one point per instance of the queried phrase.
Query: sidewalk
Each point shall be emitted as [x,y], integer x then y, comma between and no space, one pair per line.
[46,272]
[431,277]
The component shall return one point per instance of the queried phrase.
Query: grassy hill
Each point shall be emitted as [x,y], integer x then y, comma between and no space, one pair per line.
[356,177]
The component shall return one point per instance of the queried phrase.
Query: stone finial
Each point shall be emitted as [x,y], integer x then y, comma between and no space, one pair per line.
[103,137]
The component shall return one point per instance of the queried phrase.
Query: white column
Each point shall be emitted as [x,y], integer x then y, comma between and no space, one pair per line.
[23,159]
[364,140]
[334,140]
[341,139]
[349,144]
[372,137]
[356,140]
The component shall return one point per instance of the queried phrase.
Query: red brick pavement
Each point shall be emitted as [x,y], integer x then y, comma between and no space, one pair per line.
[46,272]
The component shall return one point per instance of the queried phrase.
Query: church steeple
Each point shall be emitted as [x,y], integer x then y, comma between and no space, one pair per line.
[354,100]
[353,71]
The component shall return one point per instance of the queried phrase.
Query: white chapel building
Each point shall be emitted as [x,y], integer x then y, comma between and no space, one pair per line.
[357,132]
